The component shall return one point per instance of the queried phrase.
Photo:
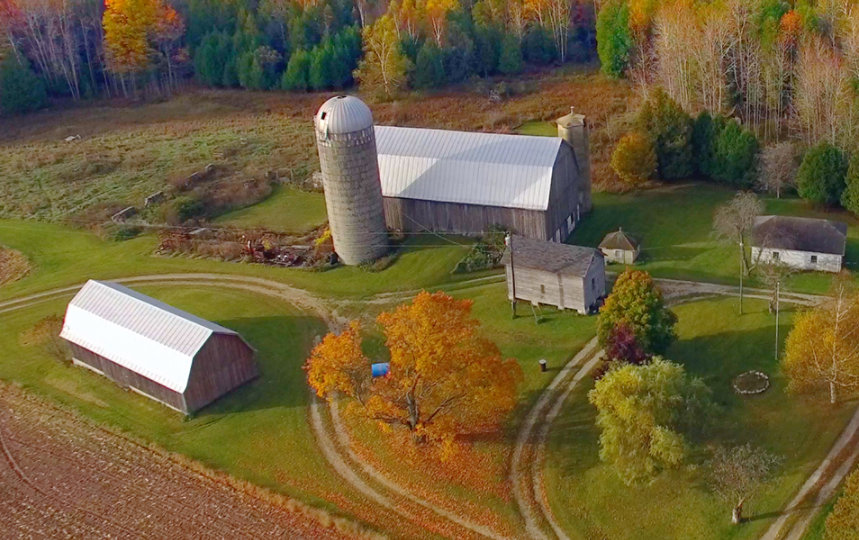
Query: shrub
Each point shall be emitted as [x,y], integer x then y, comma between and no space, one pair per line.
[821,177]
[184,209]
[125,232]
[850,197]
[634,159]
[21,90]
[614,40]
[671,128]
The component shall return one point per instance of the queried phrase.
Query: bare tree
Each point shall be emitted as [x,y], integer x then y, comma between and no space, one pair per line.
[734,222]
[738,472]
[779,164]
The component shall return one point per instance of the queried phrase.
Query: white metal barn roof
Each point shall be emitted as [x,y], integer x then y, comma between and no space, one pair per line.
[513,171]
[137,332]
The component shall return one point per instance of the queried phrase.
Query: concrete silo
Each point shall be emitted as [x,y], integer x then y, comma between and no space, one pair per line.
[350,175]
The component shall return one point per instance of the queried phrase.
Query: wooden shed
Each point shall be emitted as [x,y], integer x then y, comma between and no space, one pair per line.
[561,275]
[619,247]
[464,183]
[154,349]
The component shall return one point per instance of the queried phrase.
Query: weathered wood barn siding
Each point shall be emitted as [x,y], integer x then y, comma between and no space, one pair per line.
[555,223]
[223,364]
[564,291]
[127,378]
[211,376]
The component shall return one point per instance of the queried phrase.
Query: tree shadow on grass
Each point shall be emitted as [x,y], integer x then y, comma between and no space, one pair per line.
[282,344]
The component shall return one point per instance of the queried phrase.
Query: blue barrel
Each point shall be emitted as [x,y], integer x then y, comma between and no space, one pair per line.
[381,369]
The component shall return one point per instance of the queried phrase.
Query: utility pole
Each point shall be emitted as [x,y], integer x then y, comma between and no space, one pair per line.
[742,270]
[777,300]
[509,241]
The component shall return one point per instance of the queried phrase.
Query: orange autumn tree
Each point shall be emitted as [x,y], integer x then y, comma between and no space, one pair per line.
[130,28]
[444,379]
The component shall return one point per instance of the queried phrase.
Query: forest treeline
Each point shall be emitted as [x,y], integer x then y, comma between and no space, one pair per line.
[89,48]
[752,93]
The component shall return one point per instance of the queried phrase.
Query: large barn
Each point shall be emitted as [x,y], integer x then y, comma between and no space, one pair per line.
[463,182]
[166,354]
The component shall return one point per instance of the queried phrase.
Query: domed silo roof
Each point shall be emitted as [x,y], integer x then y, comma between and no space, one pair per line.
[343,114]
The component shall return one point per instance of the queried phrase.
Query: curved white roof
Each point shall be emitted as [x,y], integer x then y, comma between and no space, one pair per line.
[490,169]
[137,332]
[343,114]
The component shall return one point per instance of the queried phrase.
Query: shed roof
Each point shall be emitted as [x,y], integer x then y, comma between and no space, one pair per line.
[619,240]
[137,332]
[551,256]
[490,169]
[800,234]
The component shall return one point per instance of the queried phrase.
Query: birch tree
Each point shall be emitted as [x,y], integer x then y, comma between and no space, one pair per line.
[822,350]
[383,68]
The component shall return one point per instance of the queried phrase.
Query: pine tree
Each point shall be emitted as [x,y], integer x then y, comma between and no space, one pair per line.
[510,61]
[429,68]
[295,77]
[21,90]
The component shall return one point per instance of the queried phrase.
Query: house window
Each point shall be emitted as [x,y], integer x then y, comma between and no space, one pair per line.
[542,289]
[775,256]
[814,259]
[618,253]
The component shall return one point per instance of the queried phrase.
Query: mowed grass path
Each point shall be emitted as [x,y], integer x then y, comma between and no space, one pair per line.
[716,344]
[675,224]
[259,432]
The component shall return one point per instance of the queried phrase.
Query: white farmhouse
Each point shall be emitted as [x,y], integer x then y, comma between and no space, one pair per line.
[800,243]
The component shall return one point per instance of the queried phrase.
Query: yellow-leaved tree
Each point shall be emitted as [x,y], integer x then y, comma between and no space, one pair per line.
[822,350]
[132,29]
[444,379]
[383,68]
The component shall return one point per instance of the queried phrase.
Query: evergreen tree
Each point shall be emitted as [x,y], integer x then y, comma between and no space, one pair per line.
[821,177]
[321,68]
[671,128]
[510,61]
[614,39]
[21,90]
[429,68]
[538,47]
[297,72]
[735,153]
[850,197]
[487,49]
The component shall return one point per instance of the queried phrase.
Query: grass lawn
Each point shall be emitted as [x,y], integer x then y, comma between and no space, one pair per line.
[62,256]
[287,210]
[474,482]
[589,499]
[674,225]
[247,433]
[538,127]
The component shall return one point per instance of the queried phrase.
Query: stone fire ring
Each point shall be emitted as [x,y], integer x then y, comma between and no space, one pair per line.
[751,383]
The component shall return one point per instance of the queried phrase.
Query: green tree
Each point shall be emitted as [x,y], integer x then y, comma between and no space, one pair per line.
[538,47]
[850,197]
[383,68]
[637,302]
[510,61]
[645,414]
[634,159]
[21,90]
[429,67]
[735,156]
[295,77]
[821,177]
[321,68]
[671,129]
[614,39]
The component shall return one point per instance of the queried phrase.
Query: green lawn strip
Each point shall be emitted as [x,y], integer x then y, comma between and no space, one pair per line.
[538,127]
[716,344]
[557,337]
[63,256]
[674,225]
[287,210]
[259,432]
[817,528]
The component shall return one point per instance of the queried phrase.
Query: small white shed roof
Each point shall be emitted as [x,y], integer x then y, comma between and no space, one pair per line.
[137,332]
[490,169]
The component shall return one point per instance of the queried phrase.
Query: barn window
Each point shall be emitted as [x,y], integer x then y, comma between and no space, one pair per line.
[814,259]
[542,289]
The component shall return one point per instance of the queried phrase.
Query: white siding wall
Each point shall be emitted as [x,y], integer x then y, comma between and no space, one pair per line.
[800,260]
[620,256]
